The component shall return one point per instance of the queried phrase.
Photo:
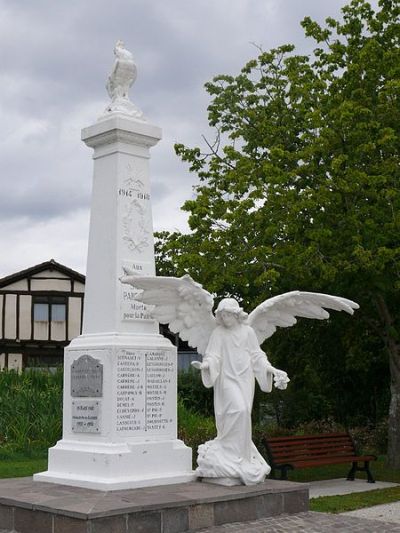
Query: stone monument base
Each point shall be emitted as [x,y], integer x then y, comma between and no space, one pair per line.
[119,466]
[120,421]
[27,506]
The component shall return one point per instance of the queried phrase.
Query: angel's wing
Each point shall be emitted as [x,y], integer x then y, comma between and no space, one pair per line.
[181,303]
[283,309]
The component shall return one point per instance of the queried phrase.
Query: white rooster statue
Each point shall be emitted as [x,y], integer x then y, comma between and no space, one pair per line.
[119,82]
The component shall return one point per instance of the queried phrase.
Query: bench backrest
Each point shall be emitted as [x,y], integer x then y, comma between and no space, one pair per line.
[305,447]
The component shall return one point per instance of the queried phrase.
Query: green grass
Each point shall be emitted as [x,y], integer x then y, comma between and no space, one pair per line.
[357,500]
[22,467]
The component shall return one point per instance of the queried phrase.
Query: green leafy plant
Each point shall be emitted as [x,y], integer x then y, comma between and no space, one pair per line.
[301,189]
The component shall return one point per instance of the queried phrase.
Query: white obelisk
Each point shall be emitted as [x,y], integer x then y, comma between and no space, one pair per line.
[120,416]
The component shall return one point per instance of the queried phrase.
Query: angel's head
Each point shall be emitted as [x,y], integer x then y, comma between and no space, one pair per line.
[229,313]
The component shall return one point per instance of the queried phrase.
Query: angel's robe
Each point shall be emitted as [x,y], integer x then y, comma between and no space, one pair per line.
[235,359]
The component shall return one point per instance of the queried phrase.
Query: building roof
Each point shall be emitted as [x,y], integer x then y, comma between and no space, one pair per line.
[47,265]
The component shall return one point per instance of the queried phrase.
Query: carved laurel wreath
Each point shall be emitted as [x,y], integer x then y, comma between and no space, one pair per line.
[136,235]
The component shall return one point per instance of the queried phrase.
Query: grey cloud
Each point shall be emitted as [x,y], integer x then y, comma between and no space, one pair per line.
[54,60]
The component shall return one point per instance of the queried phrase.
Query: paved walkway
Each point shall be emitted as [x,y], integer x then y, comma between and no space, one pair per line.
[310,523]
[388,512]
[333,487]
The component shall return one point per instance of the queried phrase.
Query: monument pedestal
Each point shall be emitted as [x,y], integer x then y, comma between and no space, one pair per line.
[120,376]
[27,507]
[122,433]
[117,466]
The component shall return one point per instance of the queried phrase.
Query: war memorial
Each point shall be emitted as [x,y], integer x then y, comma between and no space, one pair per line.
[119,466]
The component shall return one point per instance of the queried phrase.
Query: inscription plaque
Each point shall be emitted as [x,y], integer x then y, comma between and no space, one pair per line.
[86,377]
[146,390]
[86,416]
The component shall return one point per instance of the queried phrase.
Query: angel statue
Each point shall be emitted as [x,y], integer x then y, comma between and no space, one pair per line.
[232,360]
[120,80]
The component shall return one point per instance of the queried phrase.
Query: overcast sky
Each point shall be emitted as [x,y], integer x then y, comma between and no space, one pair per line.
[55,56]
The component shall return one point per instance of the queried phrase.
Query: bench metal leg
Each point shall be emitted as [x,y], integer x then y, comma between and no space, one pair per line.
[369,475]
[352,472]
[355,468]
[284,471]
[284,474]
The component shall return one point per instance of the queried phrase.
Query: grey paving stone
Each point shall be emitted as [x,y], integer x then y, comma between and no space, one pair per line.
[27,521]
[175,520]
[6,517]
[235,511]
[149,522]
[201,516]
[295,502]
[269,505]
[168,508]
[114,524]
[78,502]
[65,524]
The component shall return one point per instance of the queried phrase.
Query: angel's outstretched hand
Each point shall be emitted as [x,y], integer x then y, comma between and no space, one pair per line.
[200,366]
[281,379]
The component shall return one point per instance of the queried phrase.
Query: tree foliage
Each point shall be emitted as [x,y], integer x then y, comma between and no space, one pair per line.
[301,190]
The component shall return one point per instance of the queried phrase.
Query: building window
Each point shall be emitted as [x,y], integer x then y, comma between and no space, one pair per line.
[40,312]
[49,308]
[58,312]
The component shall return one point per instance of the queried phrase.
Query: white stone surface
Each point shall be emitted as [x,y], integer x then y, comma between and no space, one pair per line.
[137,444]
[121,229]
[335,487]
[232,360]
[129,436]
[122,77]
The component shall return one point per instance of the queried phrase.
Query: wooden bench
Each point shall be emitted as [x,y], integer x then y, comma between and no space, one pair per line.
[305,451]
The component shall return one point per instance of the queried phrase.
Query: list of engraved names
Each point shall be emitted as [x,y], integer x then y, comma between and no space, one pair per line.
[146,388]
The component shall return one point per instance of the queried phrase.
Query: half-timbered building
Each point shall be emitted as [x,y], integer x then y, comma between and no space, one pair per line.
[41,311]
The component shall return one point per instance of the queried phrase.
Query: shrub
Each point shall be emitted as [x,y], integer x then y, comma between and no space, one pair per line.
[30,409]
[194,395]
[194,429]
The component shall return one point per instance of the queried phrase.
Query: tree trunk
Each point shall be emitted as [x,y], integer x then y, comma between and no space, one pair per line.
[393,347]
[393,453]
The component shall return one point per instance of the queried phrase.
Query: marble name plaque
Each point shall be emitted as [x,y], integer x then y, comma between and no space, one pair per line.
[146,392]
[86,377]
[86,416]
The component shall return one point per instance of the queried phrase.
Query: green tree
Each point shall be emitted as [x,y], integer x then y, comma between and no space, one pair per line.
[301,187]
